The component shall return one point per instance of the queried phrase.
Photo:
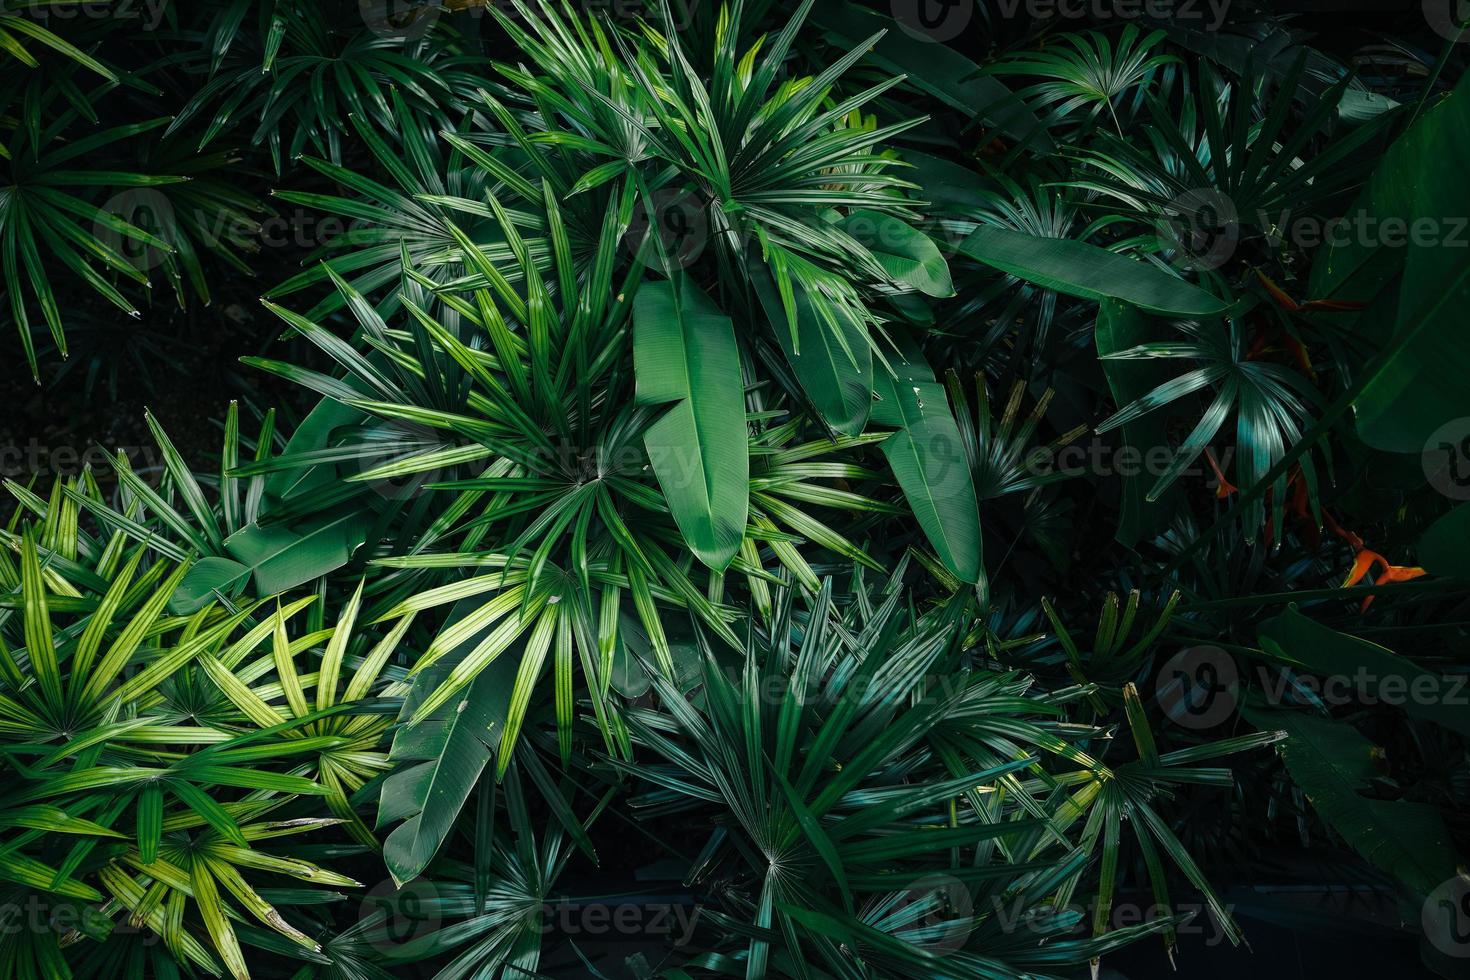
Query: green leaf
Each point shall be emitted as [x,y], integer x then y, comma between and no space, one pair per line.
[949,187]
[1420,386]
[1332,764]
[52,819]
[446,754]
[928,460]
[1445,547]
[33,874]
[936,69]
[1382,674]
[209,576]
[684,352]
[833,359]
[1420,174]
[1121,327]
[909,256]
[1086,271]
[150,821]
[314,432]
[212,911]
[24,26]
[281,557]
[40,641]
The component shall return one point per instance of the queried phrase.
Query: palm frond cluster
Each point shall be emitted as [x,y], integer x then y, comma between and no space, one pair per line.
[780,492]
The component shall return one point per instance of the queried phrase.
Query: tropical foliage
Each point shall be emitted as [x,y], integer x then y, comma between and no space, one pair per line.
[730,489]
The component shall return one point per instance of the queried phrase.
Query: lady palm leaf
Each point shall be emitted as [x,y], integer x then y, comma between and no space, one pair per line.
[998,200]
[1113,659]
[52,223]
[770,174]
[270,692]
[107,721]
[1000,454]
[858,781]
[1106,793]
[411,216]
[309,76]
[765,159]
[1223,164]
[1272,405]
[499,905]
[567,512]
[204,215]
[587,520]
[176,519]
[1087,71]
[22,38]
